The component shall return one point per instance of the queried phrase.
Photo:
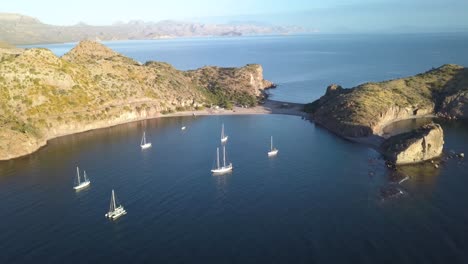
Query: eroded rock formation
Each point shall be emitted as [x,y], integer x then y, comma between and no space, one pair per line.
[419,145]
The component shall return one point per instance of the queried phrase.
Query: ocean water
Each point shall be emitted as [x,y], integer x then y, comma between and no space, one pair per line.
[303,66]
[321,200]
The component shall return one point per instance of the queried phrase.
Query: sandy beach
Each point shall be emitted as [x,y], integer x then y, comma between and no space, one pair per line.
[268,107]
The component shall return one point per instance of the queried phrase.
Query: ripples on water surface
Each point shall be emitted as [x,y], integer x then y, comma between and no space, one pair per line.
[319,200]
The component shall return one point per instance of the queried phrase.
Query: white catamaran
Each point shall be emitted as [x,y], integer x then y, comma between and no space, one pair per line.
[114,210]
[273,151]
[224,138]
[219,168]
[144,144]
[81,184]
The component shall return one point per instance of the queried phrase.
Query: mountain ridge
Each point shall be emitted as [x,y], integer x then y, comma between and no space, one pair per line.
[19,29]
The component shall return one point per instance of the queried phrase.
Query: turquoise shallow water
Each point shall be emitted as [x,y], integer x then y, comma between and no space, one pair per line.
[321,200]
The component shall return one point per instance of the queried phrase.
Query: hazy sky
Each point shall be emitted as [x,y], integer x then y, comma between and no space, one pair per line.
[326,16]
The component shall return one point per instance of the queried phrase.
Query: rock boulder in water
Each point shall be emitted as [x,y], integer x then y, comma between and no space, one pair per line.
[419,145]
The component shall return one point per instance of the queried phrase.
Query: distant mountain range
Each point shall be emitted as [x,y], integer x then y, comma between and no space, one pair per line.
[20,29]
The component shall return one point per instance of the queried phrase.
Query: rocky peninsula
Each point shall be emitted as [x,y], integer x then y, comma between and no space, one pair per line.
[43,96]
[361,113]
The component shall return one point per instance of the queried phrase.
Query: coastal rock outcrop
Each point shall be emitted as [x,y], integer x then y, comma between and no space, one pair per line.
[248,79]
[416,146]
[333,89]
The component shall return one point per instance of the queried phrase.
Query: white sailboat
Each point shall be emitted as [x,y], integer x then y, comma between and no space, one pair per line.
[219,168]
[224,138]
[183,128]
[114,210]
[144,144]
[273,151]
[81,184]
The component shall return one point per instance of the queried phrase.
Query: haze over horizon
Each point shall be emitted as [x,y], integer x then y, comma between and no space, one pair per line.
[331,16]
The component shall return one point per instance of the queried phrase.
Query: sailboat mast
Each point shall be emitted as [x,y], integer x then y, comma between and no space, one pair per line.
[144,138]
[85,178]
[113,200]
[78,175]
[271,144]
[222,132]
[224,156]
[217,157]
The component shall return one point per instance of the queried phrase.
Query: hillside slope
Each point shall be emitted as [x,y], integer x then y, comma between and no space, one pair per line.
[367,108]
[43,96]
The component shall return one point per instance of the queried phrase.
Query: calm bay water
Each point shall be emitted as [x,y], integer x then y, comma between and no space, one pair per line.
[321,200]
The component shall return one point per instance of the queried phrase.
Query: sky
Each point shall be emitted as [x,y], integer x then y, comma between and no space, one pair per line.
[324,16]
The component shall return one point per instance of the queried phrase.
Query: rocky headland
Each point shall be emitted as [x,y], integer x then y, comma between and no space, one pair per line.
[361,113]
[43,96]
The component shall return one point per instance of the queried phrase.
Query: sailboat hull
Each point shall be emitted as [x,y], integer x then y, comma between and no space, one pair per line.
[145,146]
[224,139]
[82,185]
[272,153]
[118,212]
[222,169]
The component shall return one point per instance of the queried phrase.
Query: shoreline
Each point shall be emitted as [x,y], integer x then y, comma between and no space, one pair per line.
[387,134]
[268,107]
[375,140]
[202,37]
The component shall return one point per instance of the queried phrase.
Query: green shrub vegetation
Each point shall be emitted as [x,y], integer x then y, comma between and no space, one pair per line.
[365,104]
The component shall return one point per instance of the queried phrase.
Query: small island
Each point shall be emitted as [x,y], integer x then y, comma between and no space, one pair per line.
[361,113]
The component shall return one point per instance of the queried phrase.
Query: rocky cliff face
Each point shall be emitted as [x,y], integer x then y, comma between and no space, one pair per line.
[396,113]
[422,144]
[43,96]
[455,106]
[248,80]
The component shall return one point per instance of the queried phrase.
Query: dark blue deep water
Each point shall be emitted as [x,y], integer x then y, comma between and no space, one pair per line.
[321,200]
